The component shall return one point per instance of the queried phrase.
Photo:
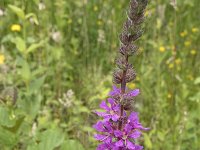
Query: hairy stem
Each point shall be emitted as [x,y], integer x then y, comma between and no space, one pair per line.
[123,88]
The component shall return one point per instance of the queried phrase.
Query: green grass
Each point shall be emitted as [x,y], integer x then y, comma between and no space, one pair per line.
[72,45]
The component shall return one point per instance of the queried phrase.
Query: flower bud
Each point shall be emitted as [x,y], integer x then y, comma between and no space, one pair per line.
[130,75]
[117,76]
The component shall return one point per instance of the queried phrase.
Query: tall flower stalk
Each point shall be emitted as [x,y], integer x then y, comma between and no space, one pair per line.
[120,127]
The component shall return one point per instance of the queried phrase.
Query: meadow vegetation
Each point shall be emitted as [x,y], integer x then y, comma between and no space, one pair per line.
[56,64]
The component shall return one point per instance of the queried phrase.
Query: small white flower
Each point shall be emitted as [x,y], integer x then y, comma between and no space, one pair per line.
[70,93]
[101,36]
[185,113]
[2,13]
[56,36]
[67,99]
[31,20]
[109,22]
[41,6]
[33,130]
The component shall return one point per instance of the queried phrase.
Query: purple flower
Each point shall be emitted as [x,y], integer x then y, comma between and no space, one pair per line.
[112,112]
[107,129]
[133,121]
[117,131]
[115,139]
[116,92]
[124,137]
[103,126]
[133,93]
[110,135]
[106,146]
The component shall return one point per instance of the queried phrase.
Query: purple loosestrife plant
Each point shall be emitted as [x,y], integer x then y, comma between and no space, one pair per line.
[120,127]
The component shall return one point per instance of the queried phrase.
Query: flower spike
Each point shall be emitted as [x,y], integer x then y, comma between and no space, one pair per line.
[117,130]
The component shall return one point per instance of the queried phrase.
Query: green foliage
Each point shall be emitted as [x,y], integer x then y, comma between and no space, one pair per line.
[71,144]
[56,63]
[18,11]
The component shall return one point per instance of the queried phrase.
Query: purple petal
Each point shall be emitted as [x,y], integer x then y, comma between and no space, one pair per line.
[100,137]
[107,118]
[115,117]
[116,108]
[104,106]
[140,127]
[133,118]
[101,114]
[119,143]
[118,133]
[108,126]
[99,126]
[102,146]
[115,91]
[103,126]
[116,148]
[105,146]
[128,128]
[134,93]
[135,134]
[111,101]
[108,140]
[130,145]
[138,147]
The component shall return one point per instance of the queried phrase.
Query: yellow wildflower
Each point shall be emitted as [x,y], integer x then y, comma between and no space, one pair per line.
[187,43]
[162,49]
[193,52]
[195,30]
[16,27]
[119,6]
[2,59]
[69,21]
[99,22]
[184,33]
[167,62]
[146,13]
[190,77]
[178,61]
[137,78]
[170,66]
[113,46]
[170,23]
[179,68]
[141,49]
[131,85]
[169,95]
[173,47]
[95,8]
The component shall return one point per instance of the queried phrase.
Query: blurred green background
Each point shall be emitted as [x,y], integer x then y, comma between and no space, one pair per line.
[56,63]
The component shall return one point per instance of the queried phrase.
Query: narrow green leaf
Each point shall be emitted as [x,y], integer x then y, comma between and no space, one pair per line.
[18,11]
[147,141]
[20,44]
[25,71]
[71,145]
[35,46]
